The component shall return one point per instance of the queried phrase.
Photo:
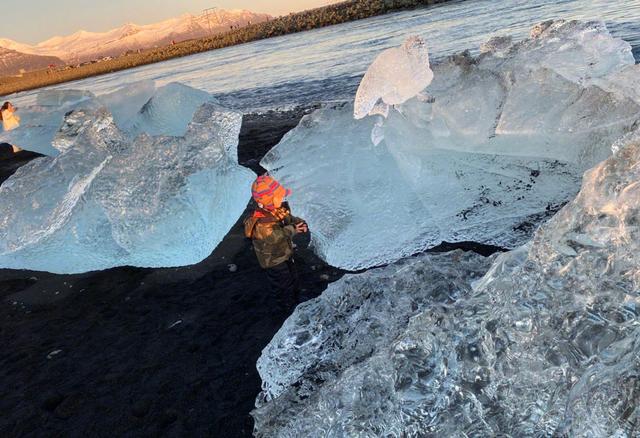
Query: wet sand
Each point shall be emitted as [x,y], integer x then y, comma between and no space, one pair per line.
[147,352]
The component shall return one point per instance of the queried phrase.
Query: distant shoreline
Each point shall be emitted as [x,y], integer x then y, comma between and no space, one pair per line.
[338,13]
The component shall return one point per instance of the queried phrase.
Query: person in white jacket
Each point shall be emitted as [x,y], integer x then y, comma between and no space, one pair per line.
[10,120]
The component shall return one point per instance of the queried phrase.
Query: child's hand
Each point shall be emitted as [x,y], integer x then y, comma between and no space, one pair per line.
[301,227]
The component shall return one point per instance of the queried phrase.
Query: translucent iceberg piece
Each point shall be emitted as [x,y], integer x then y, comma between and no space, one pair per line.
[319,330]
[163,111]
[40,123]
[545,344]
[58,98]
[501,143]
[396,75]
[136,108]
[107,200]
[327,372]
[126,103]
[579,51]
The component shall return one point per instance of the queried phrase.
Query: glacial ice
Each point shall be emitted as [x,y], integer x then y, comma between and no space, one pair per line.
[167,110]
[395,76]
[59,98]
[136,108]
[111,200]
[546,343]
[500,145]
[39,123]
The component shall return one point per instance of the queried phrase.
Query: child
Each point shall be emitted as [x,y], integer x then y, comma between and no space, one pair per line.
[272,227]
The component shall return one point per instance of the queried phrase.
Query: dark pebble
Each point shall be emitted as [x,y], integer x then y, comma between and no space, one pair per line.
[69,406]
[52,401]
[169,417]
[140,408]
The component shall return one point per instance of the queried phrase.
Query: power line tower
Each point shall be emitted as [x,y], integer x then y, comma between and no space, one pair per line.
[207,13]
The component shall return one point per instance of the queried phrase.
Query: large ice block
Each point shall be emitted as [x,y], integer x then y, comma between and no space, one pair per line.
[137,107]
[108,200]
[546,343]
[501,143]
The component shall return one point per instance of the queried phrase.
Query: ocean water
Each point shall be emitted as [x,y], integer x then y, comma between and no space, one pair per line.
[327,64]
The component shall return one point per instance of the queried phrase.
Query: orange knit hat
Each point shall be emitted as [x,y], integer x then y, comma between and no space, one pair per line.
[268,192]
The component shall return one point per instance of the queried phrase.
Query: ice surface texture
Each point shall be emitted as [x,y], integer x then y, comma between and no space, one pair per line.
[137,107]
[503,141]
[110,200]
[547,343]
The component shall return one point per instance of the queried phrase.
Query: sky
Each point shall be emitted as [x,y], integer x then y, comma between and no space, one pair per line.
[33,21]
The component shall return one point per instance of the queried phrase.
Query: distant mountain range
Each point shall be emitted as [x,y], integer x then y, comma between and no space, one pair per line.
[84,46]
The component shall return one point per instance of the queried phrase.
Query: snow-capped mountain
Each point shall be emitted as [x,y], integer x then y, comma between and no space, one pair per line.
[84,46]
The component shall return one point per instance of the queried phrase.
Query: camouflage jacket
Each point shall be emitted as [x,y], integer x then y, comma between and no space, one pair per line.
[272,238]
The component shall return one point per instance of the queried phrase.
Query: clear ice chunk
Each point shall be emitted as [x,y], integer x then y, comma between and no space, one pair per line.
[109,200]
[136,108]
[39,123]
[163,111]
[126,103]
[546,343]
[61,98]
[501,143]
[395,76]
